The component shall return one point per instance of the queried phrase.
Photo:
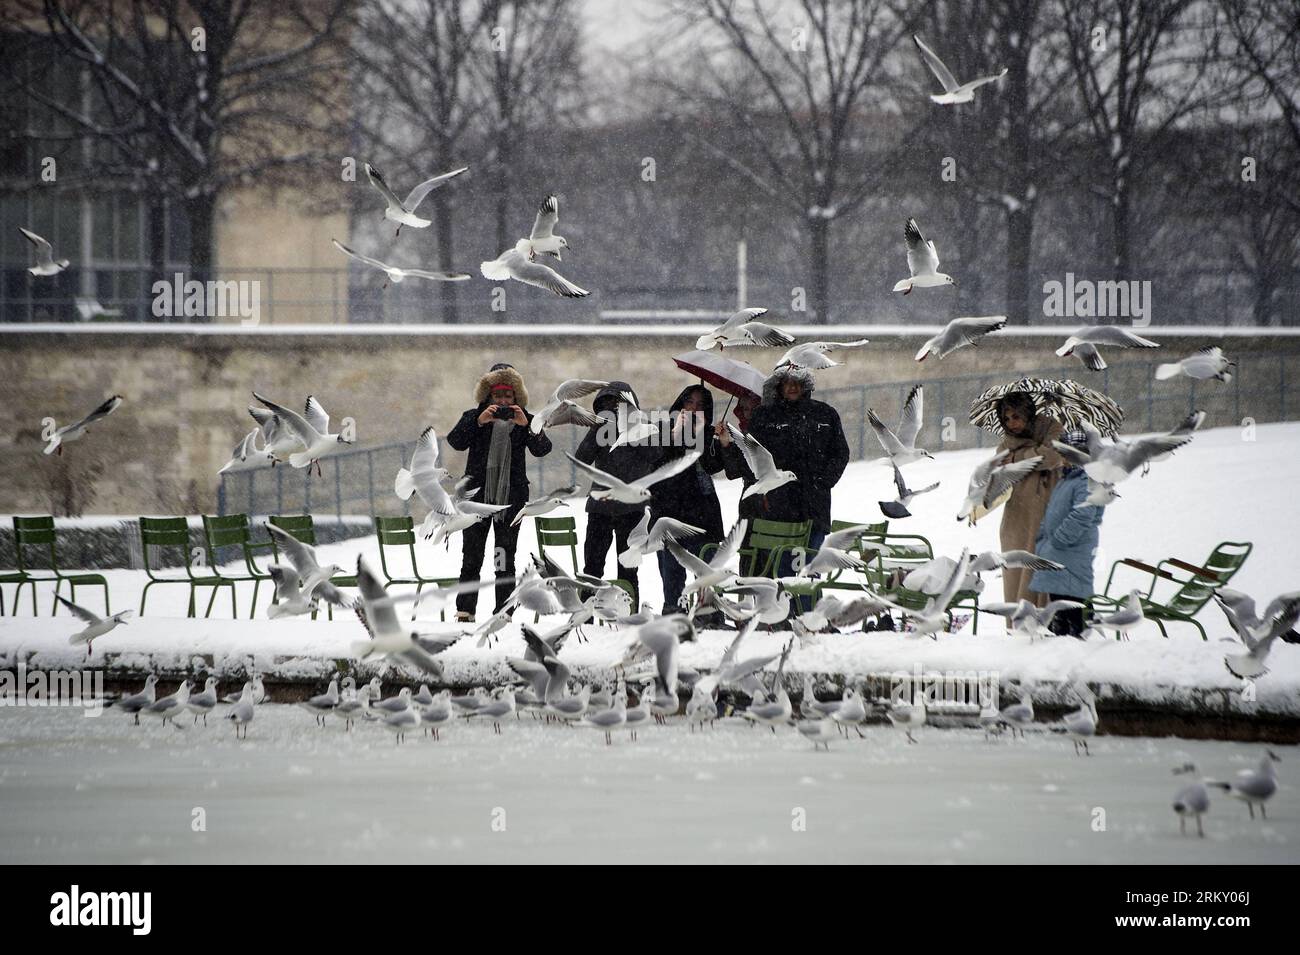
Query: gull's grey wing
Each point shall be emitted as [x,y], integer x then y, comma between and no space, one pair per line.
[547,215]
[302,556]
[377,180]
[81,613]
[416,195]
[936,65]
[667,470]
[294,421]
[910,425]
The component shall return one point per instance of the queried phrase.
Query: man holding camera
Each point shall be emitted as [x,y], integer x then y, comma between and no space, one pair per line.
[496,433]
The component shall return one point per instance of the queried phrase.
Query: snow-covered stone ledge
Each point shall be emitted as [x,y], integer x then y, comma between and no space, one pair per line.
[1155,678]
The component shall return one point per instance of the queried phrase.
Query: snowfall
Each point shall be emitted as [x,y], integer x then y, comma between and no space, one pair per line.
[77,789]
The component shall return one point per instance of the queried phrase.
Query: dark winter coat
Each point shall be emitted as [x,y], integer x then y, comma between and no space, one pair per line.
[469,435]
[805,437]
[690,496]
[627,463]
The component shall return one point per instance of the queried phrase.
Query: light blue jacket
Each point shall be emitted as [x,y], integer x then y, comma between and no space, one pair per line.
[1068,535]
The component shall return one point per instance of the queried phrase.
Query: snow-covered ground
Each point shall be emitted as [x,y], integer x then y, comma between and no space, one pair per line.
[77,790]
[1221,487]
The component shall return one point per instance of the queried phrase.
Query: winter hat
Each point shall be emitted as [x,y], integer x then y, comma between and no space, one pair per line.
[503,375]
[1075,438]
[772,386]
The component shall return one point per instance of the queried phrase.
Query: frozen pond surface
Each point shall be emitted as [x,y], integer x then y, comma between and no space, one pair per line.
[77,790]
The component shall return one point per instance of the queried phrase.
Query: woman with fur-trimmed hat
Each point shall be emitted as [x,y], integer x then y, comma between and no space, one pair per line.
[495,433]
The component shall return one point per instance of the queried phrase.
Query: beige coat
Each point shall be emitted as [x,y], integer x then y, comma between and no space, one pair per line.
[1024,510]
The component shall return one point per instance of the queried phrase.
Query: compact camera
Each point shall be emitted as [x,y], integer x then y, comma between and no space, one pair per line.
[505,413]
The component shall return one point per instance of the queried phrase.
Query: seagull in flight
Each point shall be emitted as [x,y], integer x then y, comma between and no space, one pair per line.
[71,432]
[396,274]
[761,464]
[1083,344]
[312,428]
[637,491]
[559,407]
[1208,362]
[958,333]
[96,626]
[901,446]
[953,92]
[898,509]
[816,355]
[1110,464]
[922,262]
[991,479]
[403,211]
[45,263]
[742,329]
[543,238]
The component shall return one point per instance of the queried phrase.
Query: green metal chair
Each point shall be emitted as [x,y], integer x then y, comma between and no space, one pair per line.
[301,527]
[175,532]
[840,579]
[563,532]
[399,532]
[38,533]
[906,552]
[1193,591]
[233,530]
[768,541]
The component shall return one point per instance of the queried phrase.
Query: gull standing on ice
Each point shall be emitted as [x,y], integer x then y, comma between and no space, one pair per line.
[396,274]
[922,262]
[201,704]
[1192,800]
[323,704]
[901,446]
[138,701]
[45,263]
[1254,787]
[743,329]
[908,716]
[241,714]
[1082,344]
[71,432]
[960,332]
[403,211]
[1019,715]
[953,92]
[169,706]
[96,626]
[1081,724]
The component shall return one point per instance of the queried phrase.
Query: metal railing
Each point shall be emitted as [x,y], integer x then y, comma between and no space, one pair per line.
[360,482]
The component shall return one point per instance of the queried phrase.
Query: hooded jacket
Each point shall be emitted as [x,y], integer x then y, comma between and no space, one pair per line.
[469,435]
[1068,535]
[627,463]
[805,437]
[690,496]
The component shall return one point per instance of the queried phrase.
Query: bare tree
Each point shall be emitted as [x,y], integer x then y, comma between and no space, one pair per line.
[800,89]
[1011,142]
[532,72]
[186,97]
[1140,67]
[419,96]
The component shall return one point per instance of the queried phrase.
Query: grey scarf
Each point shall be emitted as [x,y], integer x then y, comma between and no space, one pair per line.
[496,488]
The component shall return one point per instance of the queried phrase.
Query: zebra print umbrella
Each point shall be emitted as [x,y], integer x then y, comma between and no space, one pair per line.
[1067,401]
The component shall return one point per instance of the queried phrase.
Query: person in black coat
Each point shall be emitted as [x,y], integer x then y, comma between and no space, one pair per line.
[612,520]
[805,436]
[690,496]
[496,433]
